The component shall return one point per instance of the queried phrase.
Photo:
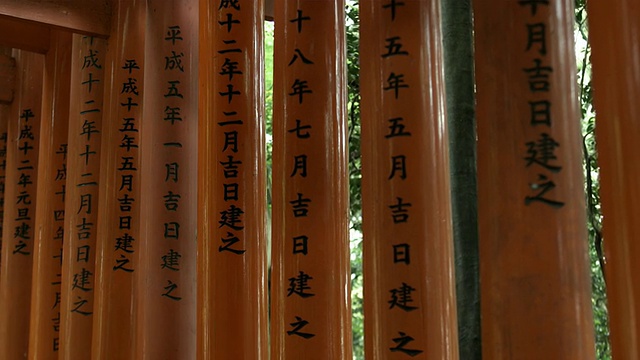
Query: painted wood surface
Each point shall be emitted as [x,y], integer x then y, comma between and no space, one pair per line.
[81,196]
[232,183]
[90,17]
[409,283]
[18,231]
[534,271]
[614,55]
[310,302]
[169,150]
[118,241]
[46,293]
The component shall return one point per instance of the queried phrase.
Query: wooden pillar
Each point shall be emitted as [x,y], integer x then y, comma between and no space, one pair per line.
[268,10]
[7,81]
[535,287]
[18,232]
[7,76]
[169,150]
[49,211]
[408,247]
[118,242]
[614,32]
[5,115]
[310,310]
[232,272]
[81,198]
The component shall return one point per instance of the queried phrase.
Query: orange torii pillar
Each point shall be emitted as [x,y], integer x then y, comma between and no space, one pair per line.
[118,241]
[232,299]
[166,280]
[310,309]
[81,196]
[534,271]
[614,30]
[46,293]
[408,246]
[5,113]
[7,71]
[19,232]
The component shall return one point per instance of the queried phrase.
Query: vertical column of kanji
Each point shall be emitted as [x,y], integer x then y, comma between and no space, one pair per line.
[614,32]
[49,214]
[169,150]
[533,267]
[81,198]
[119,219]
[408,247]
[232,201]
[311,315]
[20,205]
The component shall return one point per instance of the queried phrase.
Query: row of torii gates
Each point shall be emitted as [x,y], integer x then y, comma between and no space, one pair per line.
[134,221]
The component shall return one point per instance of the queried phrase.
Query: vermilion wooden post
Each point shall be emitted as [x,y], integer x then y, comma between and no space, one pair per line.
[409,289]
[533,258]
[310,309]
[8,74]
[614,32]
[18,232]
[81,196]
[169,150]
[5,114]
[46,293]
[118,241]
[232,299]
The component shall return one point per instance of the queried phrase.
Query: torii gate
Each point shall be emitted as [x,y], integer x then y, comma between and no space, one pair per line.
[163,215]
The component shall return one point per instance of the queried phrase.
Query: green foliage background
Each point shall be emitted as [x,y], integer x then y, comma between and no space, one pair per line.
[599,303]
[592,187]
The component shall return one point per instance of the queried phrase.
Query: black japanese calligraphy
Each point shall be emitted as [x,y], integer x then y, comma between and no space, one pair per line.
[299,285]
[297,326]
[401,298]
[402,341]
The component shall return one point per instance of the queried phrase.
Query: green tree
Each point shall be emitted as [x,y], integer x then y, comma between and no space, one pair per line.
[355,175]
[457,25]
[592,186]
